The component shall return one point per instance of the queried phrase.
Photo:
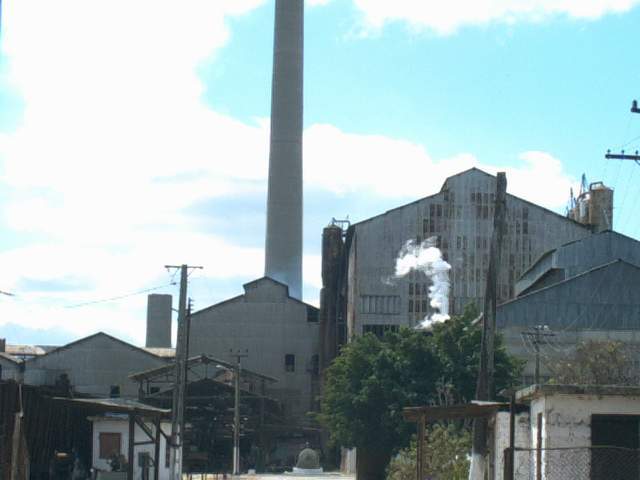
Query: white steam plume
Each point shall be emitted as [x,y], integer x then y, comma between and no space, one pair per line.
[427,258]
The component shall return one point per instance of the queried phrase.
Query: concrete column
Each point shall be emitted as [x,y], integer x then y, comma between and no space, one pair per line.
[159,320]
[283,246]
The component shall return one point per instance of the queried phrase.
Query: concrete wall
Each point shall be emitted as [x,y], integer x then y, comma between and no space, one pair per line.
[93,365]
[461,214]
[501,442]
[566,424]
[601,305]
[121,426]
[267,324]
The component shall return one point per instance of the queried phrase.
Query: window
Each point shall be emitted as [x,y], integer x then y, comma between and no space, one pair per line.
[114,391]
[289,362]
[410,306]
[378,330]
[381,304]
[424,306]
[312,314]
[109,444]
[315,364]
[418,289]
[154,390]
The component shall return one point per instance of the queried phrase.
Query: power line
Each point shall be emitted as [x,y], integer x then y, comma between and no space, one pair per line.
[120,297]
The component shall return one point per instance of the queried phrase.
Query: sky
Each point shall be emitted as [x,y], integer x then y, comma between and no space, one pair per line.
[134,134]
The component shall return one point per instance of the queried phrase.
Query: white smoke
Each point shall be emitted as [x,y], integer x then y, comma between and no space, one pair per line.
[427,258]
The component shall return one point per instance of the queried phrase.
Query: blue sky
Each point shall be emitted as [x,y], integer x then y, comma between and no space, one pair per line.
[133,135]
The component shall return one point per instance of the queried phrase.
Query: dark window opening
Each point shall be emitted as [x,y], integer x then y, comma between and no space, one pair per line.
[114,391]
[379,330]
[289,362]
[312,314]
[109,444]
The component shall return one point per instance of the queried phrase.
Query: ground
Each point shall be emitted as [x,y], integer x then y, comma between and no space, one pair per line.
[324,476]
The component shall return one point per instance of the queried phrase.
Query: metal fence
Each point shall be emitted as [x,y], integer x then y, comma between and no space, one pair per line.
[583,463]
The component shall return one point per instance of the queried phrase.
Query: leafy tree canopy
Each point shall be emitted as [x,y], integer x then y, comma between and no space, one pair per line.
[373,379]
[596,362]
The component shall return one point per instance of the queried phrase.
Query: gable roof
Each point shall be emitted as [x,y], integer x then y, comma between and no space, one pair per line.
[467,172]
[80,341]
[592,237]
[10,358]
[570,279]
[241,296]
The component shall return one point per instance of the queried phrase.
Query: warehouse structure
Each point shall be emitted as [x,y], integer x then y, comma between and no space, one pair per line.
[277,335]
[360,292]
[583,290]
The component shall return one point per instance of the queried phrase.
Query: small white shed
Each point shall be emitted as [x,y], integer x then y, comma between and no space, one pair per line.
[111,437]
[575,432]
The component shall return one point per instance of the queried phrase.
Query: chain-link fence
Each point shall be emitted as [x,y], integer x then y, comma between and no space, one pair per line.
[584,463]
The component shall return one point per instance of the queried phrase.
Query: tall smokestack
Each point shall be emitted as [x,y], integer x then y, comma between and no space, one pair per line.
[283,257]
[158,320]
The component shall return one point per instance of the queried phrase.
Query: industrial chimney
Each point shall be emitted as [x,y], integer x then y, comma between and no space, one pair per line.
[283,246]
[159,320]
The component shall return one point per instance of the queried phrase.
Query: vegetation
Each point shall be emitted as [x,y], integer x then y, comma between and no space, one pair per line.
[373,379]
[603,362]
[447,457]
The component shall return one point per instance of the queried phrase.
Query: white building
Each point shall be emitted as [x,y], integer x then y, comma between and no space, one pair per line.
[111,437]
[572,432]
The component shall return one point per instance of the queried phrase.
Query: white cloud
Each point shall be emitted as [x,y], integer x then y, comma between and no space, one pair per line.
[383,166]
[446,17]
[115,143]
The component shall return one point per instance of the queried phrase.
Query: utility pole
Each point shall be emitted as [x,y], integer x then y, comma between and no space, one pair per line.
[535,334]
[236,411]
[623,156]
[177,410]
[485,389]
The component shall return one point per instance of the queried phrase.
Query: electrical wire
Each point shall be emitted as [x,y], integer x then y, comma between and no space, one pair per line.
[120,297]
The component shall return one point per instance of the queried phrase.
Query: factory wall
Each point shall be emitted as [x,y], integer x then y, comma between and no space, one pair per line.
[461,217]
[601,304]
[94,365]
[9,368]
[273,329]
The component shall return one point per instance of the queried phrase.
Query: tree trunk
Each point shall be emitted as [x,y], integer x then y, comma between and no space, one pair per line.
[371,464]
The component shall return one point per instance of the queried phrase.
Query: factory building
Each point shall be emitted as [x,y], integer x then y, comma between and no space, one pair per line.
[360,293]
[583,290]
[276,333]
[98,365]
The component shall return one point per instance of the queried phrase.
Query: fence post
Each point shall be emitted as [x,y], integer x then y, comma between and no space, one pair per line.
[508,472]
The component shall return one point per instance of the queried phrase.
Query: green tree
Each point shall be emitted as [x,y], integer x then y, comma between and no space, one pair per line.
[446,458]
[596,362]
[373,379]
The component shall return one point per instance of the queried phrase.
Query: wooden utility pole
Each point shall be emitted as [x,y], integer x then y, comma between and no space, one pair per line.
[177,411]
[485,389]
[623,156]
[535,334]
